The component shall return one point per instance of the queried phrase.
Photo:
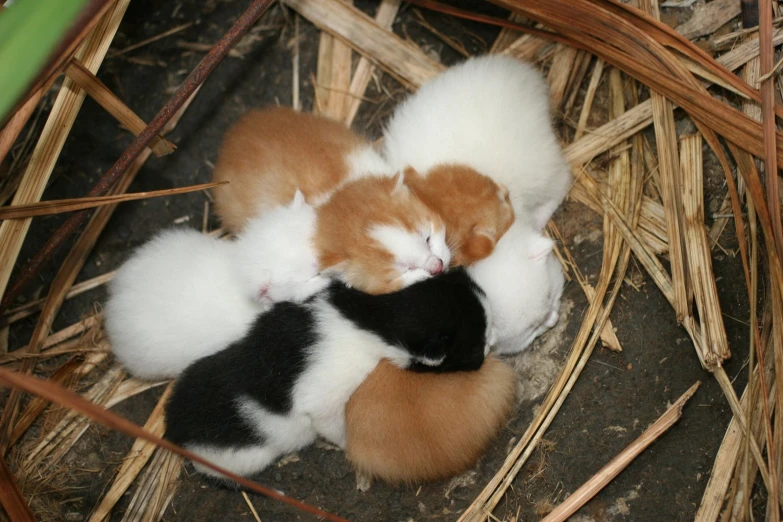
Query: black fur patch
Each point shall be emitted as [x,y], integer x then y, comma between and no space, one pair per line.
[264,365]
[440,316]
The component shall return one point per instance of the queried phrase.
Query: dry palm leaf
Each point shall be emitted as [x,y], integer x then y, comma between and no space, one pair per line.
[47,208]
[64,397]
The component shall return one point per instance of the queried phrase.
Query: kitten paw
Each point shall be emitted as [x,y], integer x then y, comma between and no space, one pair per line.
[414,276]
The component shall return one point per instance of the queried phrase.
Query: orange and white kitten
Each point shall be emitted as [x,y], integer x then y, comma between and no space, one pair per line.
[476,210]
[428,425]
[271,152]
[376,236]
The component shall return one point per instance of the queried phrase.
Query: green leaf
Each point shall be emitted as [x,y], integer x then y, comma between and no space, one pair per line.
[29,32]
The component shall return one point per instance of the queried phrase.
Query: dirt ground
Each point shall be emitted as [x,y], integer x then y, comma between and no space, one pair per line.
[617,396]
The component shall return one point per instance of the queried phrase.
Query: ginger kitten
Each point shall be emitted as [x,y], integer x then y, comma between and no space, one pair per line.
[476,210]
[271,152]
[403,426]
[376,236]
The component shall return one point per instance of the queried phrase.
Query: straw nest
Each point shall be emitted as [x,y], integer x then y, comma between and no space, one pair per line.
[646,116]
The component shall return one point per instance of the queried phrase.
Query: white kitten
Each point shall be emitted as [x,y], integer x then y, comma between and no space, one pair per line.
[523,282]
[492,114]
[184,295]
[275,256]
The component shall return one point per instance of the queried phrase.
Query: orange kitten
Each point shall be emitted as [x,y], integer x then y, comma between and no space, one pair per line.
[403,426]
[476,210]
[378,237]
[271,152]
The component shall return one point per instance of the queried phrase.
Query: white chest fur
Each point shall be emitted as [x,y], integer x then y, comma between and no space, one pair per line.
[338,364]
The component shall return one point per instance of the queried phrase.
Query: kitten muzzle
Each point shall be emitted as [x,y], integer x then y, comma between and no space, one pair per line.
[434,265]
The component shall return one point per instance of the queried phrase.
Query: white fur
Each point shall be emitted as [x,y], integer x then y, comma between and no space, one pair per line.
[416,254]
[184,295]
[288,433]
[523,282]
[366,161]
[343,357]
[490,113]
[362,162]
[275,255]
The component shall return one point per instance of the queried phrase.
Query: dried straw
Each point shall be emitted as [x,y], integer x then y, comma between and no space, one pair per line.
[85,79]
[621,461]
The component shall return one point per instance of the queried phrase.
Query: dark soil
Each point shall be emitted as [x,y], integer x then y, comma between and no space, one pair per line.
[615,399]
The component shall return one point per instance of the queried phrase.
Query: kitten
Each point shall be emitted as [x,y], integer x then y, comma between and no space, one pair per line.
[287,381]
[492,114]
[374,234]
[476,210]
[524,283]
[184,295]
[270,153]
[411,427]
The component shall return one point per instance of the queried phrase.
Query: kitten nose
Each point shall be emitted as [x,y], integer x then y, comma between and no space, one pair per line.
[434,265]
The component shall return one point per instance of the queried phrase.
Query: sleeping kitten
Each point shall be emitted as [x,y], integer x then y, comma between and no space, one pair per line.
[287,381]
[427,426]
[524,282]
[270,153]
[476,210]
[490,113]
[375,235]
[184,295]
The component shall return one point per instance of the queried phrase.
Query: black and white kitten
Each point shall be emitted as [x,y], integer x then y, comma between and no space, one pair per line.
[288,380]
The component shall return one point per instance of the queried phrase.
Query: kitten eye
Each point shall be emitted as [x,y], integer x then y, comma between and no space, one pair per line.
[428,240]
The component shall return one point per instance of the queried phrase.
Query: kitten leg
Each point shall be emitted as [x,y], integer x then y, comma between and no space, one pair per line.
[243,461]
[310,287]
[542,213]
[414,276]
[363,482]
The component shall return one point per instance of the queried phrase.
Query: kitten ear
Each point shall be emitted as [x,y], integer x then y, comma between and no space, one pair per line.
[399,183]
[479,245]
[299,200]
[503,194]
[540,247]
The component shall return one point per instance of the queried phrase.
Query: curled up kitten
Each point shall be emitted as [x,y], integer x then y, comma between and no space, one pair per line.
[427,426]
[184,295]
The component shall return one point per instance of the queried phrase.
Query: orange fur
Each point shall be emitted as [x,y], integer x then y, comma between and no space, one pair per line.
[476,210]
[403,426]
[271,152]
[342,238]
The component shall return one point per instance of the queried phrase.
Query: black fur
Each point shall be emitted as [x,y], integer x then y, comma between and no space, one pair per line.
[438,316]
[264,365]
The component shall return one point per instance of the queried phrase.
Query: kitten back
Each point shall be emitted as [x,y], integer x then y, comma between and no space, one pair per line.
[271,152]
[403,426]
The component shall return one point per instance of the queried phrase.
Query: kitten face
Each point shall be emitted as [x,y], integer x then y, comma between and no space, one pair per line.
[277,257]
[523,281]
[422,251]
[376,236]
